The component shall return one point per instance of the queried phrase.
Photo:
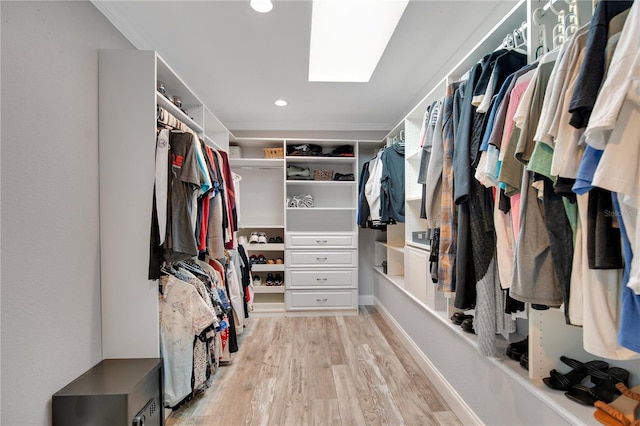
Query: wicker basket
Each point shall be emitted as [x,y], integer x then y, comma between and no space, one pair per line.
[274,152]
[322,174]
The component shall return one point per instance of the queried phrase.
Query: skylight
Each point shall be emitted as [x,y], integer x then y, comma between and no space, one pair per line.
[348,37]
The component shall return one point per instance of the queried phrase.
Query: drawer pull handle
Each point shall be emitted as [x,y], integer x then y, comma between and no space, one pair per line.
[321,259]
[321,300]
[321,280]
[321,241]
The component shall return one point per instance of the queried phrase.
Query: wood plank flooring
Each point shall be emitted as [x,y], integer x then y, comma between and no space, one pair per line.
[319,371]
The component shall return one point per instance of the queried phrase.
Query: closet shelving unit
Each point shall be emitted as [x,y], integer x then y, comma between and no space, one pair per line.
[321,255]
[319,246]
[261,199]
[490,390]
[127,134]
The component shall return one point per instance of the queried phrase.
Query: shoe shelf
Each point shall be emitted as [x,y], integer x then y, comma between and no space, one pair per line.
[296,182]
[320,208]
[264,247]
[397,280]
[265,289]
[257,267]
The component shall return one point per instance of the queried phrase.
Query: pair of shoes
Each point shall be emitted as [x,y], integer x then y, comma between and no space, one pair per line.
[524,361]
[257,280]
[579,371]
[458,317]
[344,177]
[258,238]
[517,349]
[604,389]
[258,260]
[467,326]
[274,280]
[275,240]
[622,411]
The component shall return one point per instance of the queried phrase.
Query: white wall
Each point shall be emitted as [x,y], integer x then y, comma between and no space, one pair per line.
[50,305]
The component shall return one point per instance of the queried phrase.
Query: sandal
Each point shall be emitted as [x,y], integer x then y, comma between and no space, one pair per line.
[580,370]
[605,386]
[623,410]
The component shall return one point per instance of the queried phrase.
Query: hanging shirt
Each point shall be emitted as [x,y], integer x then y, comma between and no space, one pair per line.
[593,68]
[183,315]
[184,180]
[449,218]
[162,181]
[372,187]
[392,184]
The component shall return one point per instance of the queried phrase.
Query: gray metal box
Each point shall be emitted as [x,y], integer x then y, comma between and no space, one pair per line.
[114,392]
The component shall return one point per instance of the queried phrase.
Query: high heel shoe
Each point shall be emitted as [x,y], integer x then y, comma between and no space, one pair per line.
[623,411]
[605,386]
[580,370]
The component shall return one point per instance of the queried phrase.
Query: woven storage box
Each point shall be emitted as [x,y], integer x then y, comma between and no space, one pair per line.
[274,153]
[322,174]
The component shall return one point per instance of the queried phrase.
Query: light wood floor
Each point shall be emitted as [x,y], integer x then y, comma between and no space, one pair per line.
[319,371]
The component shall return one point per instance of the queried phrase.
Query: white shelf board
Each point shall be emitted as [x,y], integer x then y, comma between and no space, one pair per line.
[322,182]
[320,208]
[264,247]
[267,268]
[418,246]
[320,159]
[260,226]
[398,280]
[395,248]
[177,112]
[263,289]
[259,163]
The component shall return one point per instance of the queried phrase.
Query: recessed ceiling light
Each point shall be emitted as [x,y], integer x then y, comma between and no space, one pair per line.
[348,37]
[281,102]
[262,6]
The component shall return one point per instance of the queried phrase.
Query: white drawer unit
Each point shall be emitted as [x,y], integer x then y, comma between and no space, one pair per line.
[317,240]
[321,279]
[345,258]
[321,300]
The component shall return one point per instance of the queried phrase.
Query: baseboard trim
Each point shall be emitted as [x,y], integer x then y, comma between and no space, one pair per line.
[367,299]
[456,403]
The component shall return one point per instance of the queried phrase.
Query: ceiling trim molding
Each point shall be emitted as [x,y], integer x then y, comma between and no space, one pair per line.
[376,127]
[112,11]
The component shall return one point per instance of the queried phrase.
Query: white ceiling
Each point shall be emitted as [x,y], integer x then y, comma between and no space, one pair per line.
[239,61]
